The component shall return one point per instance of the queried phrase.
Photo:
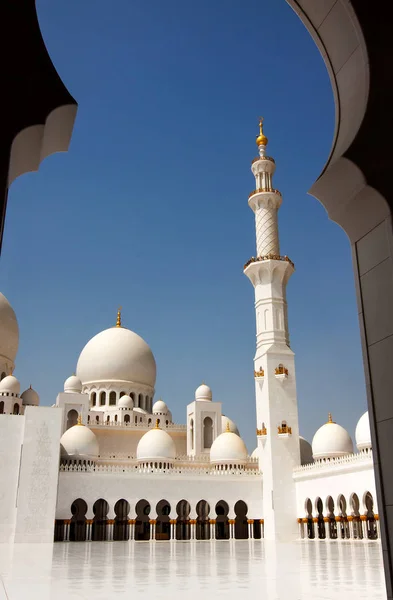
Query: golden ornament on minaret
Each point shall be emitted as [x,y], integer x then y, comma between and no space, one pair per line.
[261,139]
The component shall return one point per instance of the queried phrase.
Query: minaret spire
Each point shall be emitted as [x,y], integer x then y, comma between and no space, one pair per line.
[274,365]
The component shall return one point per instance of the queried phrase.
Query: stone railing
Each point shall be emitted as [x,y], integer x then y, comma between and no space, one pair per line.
[348,459]
[254,259]
[263,158]
[260,190]
[138,471]
[140,425]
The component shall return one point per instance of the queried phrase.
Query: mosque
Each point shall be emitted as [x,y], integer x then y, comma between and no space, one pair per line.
[107,462]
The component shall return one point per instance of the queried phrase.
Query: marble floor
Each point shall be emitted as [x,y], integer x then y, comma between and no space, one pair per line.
[176,570]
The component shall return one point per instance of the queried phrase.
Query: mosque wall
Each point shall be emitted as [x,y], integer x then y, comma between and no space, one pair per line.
[346,482]
[155,487]
[38,475]
[11,439]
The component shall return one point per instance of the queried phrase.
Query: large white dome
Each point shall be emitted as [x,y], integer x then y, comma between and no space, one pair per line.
[155,445]
[362,433]
[117,354]
[228,448]
[331,441]
[9,331]
[80,443]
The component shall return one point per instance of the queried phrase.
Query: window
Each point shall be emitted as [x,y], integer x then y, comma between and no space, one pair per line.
[207,432]
[102,398]
[112,399]
[93,399]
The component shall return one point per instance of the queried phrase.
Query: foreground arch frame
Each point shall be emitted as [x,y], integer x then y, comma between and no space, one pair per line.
[356,189]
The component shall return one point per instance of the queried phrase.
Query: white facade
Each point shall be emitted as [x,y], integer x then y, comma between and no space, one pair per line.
[105,462]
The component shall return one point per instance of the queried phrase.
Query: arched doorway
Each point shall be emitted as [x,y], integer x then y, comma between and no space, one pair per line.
[356,520]
[163,526]
[241,524]
[1,407]
[344,523]
[121,528]
[202,523]
[183,509]
[309,517]
[142,521]
[72,418]
[16,409]
[222,523]
[99,529]
[372,531]
[78,521]
[320,521]
[331,518]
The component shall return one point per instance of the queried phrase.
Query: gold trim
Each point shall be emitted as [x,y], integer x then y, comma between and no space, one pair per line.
[260,190]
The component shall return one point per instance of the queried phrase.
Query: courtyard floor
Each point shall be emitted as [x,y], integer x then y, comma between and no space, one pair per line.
[304,570]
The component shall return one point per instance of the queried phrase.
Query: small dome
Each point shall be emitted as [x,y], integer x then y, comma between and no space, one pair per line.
[10,385]
[203,392]
[126,402]
[156,444]
[362,433]
[228,448]
[79,442]
[255,453]
[73,385]
[331,441]
[226,423]
[30,397]
[305,451]
[160,408]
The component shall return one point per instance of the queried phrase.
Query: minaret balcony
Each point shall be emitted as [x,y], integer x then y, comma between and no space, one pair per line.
[263,158]
[259,374]
[255,259]
[284,430]
[263,190]
[262,432]
[281,373]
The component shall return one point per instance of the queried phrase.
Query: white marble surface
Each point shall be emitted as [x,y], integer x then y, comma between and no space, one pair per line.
[249,569]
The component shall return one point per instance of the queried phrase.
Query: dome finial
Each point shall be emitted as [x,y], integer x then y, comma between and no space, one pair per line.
[157,424]
[261,139]
[228,429]
[118,320]
[330,419]
[79,419]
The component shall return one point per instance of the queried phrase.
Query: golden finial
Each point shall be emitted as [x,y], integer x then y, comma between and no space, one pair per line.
[261,139]
[228,429]
[330,420]
[79,419]
[157,424]
[118,320]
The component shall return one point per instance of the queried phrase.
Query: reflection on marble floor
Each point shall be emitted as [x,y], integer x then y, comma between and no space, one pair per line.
[98,570]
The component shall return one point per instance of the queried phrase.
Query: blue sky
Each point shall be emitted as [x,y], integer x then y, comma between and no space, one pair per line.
[148,209]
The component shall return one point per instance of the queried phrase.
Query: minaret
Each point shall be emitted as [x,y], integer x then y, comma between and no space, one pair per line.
[274,365]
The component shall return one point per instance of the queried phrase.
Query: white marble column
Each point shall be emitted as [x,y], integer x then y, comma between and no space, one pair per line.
[350,521]
[212,530]
[88,530]
[67,531]
[109,535]
[132,529]
[364,529]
